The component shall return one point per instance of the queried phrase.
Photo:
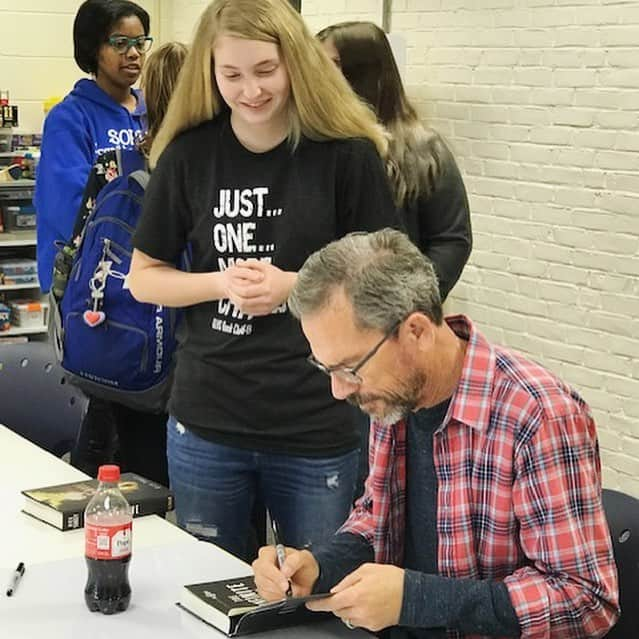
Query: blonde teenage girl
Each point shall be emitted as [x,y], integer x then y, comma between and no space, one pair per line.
[265,155]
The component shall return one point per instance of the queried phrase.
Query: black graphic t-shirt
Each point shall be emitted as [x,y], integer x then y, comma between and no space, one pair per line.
[242,380]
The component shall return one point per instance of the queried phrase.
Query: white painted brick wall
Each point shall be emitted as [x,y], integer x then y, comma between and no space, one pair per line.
[183,14]
[179,17]
[320,13]
[540,101]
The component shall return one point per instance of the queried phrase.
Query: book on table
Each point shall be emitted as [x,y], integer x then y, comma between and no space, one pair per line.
[63,505]
[235,607]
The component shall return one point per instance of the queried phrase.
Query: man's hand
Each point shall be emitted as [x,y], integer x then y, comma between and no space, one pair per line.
[370,597]
[256,287]
[300,568]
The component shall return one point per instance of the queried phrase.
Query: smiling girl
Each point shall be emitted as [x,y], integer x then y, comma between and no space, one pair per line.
[265,155]
[110,38]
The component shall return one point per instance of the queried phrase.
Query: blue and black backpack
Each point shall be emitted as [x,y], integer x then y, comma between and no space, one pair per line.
[111,345]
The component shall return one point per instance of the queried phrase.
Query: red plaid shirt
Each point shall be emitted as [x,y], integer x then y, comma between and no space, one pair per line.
[519,494]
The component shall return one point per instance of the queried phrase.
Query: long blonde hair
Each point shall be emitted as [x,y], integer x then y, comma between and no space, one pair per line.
[322,104]
[159,76]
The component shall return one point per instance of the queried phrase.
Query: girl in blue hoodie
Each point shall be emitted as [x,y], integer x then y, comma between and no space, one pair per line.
[111,38]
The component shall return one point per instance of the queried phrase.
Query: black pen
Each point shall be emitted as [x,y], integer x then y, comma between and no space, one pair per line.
[15,579]
[280,552]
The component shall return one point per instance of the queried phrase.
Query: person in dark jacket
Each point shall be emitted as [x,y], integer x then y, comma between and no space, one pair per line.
[427,184]
[428,187]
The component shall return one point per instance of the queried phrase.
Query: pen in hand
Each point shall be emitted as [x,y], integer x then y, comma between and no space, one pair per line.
[280,552]
[15,579]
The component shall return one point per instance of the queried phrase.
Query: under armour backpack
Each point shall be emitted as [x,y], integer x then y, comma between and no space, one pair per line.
[111,345]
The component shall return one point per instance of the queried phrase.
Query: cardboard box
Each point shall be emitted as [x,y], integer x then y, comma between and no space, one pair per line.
[29,313]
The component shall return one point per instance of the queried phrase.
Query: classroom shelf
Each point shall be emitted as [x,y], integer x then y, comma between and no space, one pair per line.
[18,287]
[18,238]
[19,330]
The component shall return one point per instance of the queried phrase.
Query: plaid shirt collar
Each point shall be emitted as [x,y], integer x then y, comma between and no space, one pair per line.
[470,403]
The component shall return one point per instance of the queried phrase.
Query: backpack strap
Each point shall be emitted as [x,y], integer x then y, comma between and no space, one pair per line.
[96,181]
[141,177]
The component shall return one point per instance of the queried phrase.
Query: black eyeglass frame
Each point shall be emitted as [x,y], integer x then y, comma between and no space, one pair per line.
[131,42]
[350,374]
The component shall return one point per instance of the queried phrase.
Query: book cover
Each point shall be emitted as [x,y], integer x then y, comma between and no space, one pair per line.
[63,505]
[235,607]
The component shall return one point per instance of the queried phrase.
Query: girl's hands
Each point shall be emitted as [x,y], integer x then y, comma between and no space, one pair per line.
[256,288]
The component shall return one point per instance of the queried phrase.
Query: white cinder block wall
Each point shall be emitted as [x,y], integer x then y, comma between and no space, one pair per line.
[318,13]
[540,101]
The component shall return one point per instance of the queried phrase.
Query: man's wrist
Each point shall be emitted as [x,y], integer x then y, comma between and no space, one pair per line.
[316,566]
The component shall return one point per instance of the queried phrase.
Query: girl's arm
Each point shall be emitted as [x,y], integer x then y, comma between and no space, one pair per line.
[158,282]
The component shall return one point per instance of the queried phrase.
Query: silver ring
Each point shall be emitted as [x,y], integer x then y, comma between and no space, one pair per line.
[348,624]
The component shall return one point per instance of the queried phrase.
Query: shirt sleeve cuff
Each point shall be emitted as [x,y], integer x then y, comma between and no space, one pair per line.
[338,558]
[468,605]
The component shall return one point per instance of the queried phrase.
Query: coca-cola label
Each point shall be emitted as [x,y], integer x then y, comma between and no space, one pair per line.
[107,542]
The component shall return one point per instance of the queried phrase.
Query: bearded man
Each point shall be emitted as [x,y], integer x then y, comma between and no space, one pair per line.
[482,512]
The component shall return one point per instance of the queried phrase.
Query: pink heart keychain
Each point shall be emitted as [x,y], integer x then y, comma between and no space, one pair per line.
[93,318]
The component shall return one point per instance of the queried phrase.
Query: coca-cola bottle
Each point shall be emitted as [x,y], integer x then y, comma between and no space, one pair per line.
[107,533]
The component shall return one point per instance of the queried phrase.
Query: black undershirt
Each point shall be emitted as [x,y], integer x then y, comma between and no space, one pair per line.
[431,603]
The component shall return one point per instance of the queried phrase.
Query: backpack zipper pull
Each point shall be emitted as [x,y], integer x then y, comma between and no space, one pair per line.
[95,316]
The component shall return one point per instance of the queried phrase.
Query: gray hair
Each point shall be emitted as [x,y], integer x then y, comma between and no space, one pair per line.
[383,274]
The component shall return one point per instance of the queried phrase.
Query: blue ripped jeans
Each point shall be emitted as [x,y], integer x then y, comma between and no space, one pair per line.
[215,487]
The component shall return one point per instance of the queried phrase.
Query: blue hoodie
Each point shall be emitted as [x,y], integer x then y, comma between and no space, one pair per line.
[87,122]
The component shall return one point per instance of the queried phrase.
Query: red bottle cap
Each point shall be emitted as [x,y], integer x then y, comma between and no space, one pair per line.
[109,473]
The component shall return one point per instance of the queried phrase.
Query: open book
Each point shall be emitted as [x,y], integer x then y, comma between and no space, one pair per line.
[235,607]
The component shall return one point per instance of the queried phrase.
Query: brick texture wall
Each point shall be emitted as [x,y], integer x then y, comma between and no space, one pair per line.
[180,16]
[540,101]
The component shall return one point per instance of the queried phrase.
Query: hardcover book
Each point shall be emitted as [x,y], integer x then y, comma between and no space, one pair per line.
[235,607]
[63,505]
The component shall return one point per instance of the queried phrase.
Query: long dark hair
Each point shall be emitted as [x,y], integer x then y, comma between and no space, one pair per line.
[367,62]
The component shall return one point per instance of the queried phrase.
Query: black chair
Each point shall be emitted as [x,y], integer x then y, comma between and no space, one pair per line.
[35,399]
[622,513]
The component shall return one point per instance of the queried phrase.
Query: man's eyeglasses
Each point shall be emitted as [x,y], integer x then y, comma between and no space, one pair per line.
[122,44]
[349,374]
